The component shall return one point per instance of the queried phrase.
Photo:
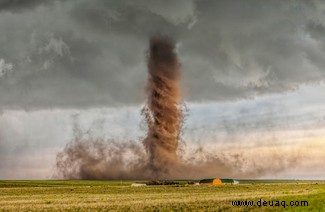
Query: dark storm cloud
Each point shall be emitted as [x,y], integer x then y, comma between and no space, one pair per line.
[92,53]
[21,5]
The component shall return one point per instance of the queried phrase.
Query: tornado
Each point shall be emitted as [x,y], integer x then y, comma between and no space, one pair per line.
[156,156]
[162,111]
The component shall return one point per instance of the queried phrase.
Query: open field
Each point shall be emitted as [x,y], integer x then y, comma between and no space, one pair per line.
[120,196]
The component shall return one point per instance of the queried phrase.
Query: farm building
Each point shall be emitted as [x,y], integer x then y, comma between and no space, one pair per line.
[218,181]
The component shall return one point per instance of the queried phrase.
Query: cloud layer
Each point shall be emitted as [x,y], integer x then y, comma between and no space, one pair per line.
[81,54]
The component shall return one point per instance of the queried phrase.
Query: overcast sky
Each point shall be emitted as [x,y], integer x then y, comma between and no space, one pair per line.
[251,69]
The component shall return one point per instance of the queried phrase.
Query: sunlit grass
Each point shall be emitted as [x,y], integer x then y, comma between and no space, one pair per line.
[120,196]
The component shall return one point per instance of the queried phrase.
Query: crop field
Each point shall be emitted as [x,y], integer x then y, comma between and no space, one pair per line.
[51,195]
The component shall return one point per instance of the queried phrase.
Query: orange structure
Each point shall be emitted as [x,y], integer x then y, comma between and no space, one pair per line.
[217,181]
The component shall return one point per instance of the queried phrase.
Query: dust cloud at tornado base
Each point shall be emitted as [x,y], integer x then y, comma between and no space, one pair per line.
[160,154]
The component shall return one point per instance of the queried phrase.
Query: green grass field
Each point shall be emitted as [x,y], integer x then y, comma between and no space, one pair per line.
[120,196]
